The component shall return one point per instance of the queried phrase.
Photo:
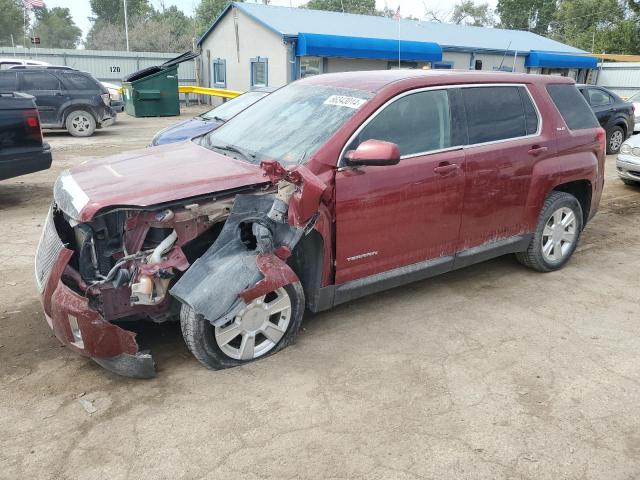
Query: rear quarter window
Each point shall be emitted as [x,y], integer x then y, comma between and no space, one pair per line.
[74,81]
[572,106]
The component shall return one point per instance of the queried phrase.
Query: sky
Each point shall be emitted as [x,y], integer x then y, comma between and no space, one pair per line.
[80,9]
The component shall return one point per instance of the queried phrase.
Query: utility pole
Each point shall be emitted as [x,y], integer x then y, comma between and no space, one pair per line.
[126,25]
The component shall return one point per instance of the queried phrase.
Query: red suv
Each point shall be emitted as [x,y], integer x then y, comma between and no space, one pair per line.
[329,189]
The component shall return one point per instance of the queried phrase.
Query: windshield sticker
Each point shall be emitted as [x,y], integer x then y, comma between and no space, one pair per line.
[344,101]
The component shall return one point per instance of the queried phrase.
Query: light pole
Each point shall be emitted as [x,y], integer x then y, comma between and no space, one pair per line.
[126,26]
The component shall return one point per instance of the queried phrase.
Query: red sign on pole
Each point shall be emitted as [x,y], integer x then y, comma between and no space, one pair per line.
[35,40]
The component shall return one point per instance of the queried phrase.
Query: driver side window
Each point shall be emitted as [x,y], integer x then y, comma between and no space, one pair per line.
[419,122]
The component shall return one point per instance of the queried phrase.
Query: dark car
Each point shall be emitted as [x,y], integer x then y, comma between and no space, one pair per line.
[66,98]
[614,114]
[210,120]
[21,147]
[333,187]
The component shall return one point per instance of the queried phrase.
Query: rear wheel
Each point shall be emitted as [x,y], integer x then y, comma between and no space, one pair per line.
[266,325]
[557,234]
[80,123]
[614,142]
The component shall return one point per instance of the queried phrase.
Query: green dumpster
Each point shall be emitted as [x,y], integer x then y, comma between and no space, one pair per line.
[153,91]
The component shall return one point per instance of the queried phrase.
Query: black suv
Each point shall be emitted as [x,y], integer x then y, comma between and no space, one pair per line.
[66,98]
[614,114]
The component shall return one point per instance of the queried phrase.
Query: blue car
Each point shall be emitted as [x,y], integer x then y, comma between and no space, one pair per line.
[209,121]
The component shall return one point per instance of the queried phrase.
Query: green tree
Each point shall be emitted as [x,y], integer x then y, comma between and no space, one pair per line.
[56,28]
[11,22]
[601,25]
[112,11]
[207,11]
[468,13]
[365,7]
[533,15]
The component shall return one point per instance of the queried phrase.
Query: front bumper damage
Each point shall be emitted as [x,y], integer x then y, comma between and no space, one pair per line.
[247,260]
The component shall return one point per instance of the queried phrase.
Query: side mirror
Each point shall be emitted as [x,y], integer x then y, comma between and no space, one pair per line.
[374,152]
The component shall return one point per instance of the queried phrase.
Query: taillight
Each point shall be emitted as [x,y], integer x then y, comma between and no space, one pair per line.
[602,139]
[32,121]
[106,98]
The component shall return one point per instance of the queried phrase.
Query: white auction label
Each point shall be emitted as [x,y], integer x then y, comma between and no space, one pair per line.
[344,101]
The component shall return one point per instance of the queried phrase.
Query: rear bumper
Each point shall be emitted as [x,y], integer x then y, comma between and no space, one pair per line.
[78,326]
[117,106]
[16,162]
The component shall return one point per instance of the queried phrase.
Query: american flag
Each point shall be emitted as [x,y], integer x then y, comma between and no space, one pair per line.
[33,4]
[397,14]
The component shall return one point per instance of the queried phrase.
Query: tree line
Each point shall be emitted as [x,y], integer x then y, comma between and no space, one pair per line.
[611,26]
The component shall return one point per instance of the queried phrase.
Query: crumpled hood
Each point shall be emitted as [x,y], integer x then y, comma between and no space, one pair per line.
[185,130]
[150,176]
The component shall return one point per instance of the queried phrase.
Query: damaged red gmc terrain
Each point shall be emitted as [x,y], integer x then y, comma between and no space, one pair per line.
[329,189]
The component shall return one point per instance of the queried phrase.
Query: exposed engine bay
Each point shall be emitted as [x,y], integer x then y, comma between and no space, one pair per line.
[213,254]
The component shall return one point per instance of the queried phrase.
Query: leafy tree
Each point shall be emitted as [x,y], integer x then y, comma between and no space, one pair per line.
[464,13]
[604,25]
[533,15]
[365,7]
[56,28]
[468,13]
[207,12]
[11,22]
[112,11]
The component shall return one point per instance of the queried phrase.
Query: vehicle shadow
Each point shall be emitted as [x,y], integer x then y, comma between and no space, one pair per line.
[16,194]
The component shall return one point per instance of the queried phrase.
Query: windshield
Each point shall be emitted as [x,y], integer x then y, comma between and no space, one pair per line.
[289,125]
[234,106]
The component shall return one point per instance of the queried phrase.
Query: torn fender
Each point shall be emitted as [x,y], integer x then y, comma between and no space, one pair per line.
[242,264]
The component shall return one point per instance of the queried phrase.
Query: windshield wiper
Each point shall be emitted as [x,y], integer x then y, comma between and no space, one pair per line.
[215,117]
[250,156]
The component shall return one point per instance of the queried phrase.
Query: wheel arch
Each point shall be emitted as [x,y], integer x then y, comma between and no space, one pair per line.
[582,190]
[78,106]
[307,262]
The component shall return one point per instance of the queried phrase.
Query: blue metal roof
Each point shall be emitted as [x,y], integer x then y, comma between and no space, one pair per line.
[362,47]
[290,22]
[555,60]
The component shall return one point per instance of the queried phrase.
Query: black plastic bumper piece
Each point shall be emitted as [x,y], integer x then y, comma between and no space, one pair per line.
[140,365]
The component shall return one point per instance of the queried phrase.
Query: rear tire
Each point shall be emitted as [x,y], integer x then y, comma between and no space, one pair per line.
[216,349]
[557,234]
[80,123]
[614,140]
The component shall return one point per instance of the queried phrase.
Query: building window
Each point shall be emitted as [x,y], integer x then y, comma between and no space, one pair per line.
[219,68]
[403,64]
[443,65]
[310,66]
[259,72]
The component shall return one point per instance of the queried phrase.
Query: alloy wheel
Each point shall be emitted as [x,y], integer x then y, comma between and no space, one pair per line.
[559,235]
[81,123]
[616,141]
[257,328]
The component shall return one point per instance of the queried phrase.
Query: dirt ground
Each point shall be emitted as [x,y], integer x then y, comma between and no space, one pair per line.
[494,371]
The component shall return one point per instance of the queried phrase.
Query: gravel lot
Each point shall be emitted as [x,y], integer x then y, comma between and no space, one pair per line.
[490,372]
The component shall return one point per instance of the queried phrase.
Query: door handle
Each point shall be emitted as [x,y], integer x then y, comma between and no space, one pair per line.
[445,167]
[537,150]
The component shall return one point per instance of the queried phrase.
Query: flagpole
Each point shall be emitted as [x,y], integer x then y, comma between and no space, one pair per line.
[398,43]
[126,25]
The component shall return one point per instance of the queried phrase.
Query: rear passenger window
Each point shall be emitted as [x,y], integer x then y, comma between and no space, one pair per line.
[419,122]
[76,81]
[497,113]
[39,81]
[598,98]
[572,106]
[8,82]
[530,114]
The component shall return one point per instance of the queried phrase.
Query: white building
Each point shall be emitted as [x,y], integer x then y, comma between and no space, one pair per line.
[252,45]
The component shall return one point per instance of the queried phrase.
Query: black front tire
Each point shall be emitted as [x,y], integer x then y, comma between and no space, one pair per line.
[198,333]
[533,256]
